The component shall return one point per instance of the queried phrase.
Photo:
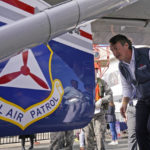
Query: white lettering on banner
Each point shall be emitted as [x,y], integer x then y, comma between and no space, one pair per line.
[13,114]
[23,118]
[44,108]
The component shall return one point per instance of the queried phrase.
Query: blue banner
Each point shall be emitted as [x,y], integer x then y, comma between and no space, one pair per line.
[47,88]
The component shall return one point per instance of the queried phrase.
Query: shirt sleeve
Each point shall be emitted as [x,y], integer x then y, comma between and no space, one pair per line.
[126,88]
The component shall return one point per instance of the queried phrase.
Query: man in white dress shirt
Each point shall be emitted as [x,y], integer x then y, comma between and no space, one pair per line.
[135,75]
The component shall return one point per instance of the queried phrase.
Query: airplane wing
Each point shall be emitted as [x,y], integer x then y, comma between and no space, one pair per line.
[50,86]
[132,21]
[51,23]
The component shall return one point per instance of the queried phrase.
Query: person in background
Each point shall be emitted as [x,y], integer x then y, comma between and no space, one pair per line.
[82,139]
[95,130]
[36,142]
[61,140]
[134,67]
[23,137]
[111,119]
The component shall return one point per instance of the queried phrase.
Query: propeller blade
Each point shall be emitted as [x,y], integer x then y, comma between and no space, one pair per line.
[25,57]
[9,77]
[38,81]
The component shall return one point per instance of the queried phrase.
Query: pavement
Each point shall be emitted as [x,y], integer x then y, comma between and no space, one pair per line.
[44,145]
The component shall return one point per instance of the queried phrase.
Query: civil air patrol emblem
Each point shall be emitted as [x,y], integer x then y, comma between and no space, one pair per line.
[28,91]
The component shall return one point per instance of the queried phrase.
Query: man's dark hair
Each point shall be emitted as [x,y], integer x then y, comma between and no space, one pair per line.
[122,39]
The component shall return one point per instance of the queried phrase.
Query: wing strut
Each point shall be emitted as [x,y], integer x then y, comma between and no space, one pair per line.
[44,26]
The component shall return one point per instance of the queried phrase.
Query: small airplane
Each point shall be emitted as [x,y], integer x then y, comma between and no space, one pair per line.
[47,77]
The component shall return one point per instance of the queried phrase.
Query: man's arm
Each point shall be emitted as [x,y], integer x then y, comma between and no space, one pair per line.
[127,94]
[125,101]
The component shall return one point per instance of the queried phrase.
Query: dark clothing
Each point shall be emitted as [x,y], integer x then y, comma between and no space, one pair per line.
[111,117]
[23,137]
[142,117]
[26,136]
[142,73]
[142,86]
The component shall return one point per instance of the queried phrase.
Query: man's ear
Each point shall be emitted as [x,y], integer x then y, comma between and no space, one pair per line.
[126,45]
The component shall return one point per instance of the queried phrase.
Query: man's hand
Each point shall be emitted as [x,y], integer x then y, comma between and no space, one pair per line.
[98,103]
[123,109]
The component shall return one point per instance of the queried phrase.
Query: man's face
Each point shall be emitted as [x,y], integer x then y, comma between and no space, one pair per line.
[120,51]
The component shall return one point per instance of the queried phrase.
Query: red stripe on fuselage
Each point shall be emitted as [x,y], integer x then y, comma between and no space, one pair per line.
[20,5]
[85,34]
